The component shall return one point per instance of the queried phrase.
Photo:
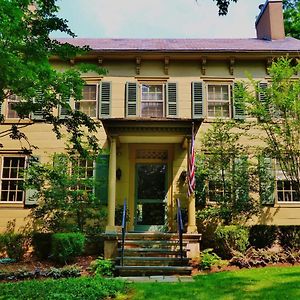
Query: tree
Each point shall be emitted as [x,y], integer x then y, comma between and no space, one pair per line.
[64,193]
[276,106]
[292,17]
[25,50]
[223,175]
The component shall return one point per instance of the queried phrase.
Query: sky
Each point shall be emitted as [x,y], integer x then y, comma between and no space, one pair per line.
[158,18]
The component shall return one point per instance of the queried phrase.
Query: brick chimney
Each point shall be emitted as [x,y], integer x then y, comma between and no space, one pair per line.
[269,23]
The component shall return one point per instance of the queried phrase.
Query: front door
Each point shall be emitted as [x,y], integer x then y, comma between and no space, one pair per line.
[151,197]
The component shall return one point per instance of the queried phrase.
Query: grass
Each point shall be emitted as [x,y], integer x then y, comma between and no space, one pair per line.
[264,283]
[87,288]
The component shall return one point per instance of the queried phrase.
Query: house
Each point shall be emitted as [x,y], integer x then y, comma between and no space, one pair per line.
[155,92]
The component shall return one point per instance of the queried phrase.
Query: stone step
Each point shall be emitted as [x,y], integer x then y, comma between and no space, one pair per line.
[158,251]
[153,261]
[153,270]
[153,242]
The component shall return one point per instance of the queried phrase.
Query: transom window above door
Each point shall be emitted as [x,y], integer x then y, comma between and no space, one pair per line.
[152,100]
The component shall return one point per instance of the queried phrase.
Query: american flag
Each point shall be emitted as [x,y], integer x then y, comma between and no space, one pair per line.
[191,166]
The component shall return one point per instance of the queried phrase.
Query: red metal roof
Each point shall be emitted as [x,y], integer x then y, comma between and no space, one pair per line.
[186,45]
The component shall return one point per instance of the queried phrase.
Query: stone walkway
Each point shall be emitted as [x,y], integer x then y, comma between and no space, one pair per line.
[158,279]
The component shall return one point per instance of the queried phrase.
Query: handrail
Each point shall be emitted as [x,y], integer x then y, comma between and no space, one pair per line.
[180,227]
[123,231]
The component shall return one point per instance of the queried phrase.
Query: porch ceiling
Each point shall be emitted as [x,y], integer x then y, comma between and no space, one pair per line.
[150,131]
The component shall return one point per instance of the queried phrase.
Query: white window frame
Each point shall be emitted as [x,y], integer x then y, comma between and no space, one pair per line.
[90,100]
[229,101]
[163,101]
[1,178]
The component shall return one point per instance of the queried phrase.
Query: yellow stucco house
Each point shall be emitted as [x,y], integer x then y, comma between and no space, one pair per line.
[154,92]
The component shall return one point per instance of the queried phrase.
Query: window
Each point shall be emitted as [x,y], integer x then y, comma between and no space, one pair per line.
[152,100]
[12,179]
[88,103]
[218,100]
[11,101]
[83,169]
[215,191]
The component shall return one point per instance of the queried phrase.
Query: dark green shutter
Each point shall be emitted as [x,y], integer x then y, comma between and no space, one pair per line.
[241,180]
[101,176]
[105,100]
[131,99]
[38,114]
[198,100]
[31,196]
[63,111]
[238,103]
[171,97]
[266,181]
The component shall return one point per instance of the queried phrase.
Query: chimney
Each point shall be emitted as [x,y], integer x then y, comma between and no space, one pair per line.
[269,23]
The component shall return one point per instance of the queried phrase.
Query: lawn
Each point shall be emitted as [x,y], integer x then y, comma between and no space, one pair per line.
[264,283]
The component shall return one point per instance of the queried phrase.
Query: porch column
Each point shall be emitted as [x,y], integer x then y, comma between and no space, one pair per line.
[111,228]
[191,228]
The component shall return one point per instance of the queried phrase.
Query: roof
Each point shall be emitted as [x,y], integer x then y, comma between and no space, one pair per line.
[186,45]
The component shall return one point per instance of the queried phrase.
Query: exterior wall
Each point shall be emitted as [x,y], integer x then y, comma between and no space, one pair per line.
[119,72]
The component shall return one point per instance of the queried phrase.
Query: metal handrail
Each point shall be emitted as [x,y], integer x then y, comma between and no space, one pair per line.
[180,227]
[123,231]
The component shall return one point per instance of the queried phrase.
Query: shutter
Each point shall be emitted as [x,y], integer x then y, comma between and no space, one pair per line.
[63,111]
[238,103]
[131,99]
[38,114]
[31,196]
[266,180]
[104,100]
[241,179]
[171,98]
[198,100]
[262,96]
[1,110]
[101,178]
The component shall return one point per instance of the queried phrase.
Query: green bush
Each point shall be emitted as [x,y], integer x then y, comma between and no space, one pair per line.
[262,236]
[15,245]
[231,239]
[94,244]
[289,236]
[66,246]
[103,267]
[2,243]
[41,243]
[208,259]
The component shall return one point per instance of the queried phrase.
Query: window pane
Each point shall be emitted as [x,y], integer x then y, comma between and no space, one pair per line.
[87,107]
[218,109]
[89,92]
[152,109]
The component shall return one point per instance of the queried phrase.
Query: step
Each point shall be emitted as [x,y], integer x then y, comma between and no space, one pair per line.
[151,258]
[153,242]
[153,270]
[152,250]
[153,261]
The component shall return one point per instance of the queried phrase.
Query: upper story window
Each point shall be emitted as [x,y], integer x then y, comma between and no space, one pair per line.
[88,103]
[152,100]
[11,102]
[218,101]
[12,178]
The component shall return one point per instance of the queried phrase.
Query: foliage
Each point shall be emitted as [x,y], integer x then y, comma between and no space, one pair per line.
[65,195]
[208,259]
[230,239]
[262,257]
[291,14]
[94,244]
[88,288]
[102,267]
[55,273]
[41,243]
[289,236]
[271,283]
[25,52]
[223,175]
[15,245]
[119,215]
[223,6]
[261,236]
[279,117]
[66,246]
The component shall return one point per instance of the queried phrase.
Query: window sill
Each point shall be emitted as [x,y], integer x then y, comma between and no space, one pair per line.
[11,205]
[287,205]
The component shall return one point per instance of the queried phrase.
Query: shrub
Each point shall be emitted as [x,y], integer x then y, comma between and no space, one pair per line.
[2,243]
[261,236]
[94,244]
[208,259]
[230,239]
[103,267]
[15,245]
[289,236]
[41,243]
[66,246]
